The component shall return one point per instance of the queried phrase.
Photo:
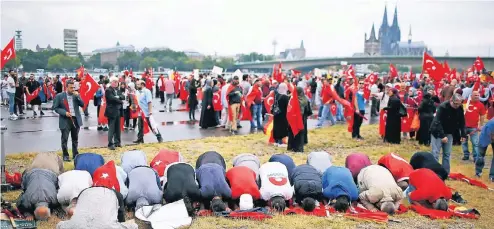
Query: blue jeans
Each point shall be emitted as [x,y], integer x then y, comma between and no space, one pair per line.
[475,143]
[11,102]
[217,115]
[408,191]
[480,162]
[339,112]
[325,113]
[436,149]
[256,110]
[319,113]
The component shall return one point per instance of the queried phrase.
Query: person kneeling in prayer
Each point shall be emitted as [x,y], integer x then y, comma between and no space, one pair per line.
[244,187]
[307,184]
[275,185]
[98,208]
[248,160]
[144,187]
[132,159]
[356,162]
[339,187]
[285,160]
[428,190]
[319,160]
[210,174]
[426,160]
[39,186]
[378,188]
[181,182]
[71,183]
[399,168]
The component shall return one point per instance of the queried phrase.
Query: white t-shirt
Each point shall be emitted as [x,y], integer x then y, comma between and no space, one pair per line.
[10,85]
[71,183]
[275,181]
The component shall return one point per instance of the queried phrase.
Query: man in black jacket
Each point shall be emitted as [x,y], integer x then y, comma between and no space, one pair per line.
[234,100]
[58,85]
[114,101]
[313,89]
[449,118]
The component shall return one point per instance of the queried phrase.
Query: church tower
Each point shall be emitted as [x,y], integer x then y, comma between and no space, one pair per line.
[384,34]
[395,28]
[372,46]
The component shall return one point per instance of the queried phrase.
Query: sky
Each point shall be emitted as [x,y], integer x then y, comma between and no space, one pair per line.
[329,28]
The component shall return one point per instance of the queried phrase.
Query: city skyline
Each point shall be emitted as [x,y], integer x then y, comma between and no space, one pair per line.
[228,28]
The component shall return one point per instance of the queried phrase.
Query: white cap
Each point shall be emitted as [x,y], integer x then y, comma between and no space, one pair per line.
[246,202]
[113,78]
[389,85]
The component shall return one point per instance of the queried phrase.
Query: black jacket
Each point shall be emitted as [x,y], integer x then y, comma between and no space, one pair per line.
[313,86]
[235,98]
[307,182]
[210,157]
[181,181]
[58,87]
[448,120]
[426,160]
[114,100]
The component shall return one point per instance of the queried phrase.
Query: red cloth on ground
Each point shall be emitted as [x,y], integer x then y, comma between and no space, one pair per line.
[428,186]
[474,182]
[163,159]
[469,215]
[431,213]
[243,181]
[318,211]
[399,168]
[13,179]
[364,214]
[106,176]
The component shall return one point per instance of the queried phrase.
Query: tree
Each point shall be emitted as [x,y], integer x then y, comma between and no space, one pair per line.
[61,62]
[402,68]
[208,62]
[107,65]
[254,56]
[417,69]
[148,62]
[167,62]
[129,60]
[94,61]
[226,63]
[81,59]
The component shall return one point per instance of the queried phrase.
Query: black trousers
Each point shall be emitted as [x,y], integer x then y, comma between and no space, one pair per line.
[375,106]
[140,133]
[18,105]
[73,130]
[114,131]
[192,112]
[357,122]
[162,96]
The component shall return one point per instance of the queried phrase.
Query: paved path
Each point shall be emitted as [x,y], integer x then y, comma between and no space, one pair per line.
[41,134]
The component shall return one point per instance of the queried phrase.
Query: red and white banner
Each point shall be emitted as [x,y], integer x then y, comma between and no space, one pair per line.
[8,53]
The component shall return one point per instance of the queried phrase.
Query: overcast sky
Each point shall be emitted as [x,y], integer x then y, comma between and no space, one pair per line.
[328,27]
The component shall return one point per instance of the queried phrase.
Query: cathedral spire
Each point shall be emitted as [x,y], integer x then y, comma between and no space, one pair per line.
[395,18]
[385,17]
[373,34]
[410,35]
[302,44]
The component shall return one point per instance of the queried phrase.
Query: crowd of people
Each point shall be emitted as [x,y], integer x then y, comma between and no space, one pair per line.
[95,194]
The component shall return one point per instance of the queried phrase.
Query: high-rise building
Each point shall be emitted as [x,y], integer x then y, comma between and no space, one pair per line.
[18,40]
[70,45]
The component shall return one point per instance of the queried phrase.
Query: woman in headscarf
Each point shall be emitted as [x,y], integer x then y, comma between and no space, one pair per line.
[192,100]
[208,117]
[426,110]
[393,119]
[280,123]
[296,143]
[412,102]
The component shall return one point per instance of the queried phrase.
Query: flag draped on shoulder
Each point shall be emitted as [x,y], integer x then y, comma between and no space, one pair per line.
[294,114]
[269,101]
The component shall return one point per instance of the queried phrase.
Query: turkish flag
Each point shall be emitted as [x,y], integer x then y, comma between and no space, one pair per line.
[479,64]
[447,70]
[80,71]
[163,159]
[31,96]
[333,108]
[252,94]
[217,101]
[102,118]
[245,112]
[452,75]
[184,94]
[350,72]
[8,53]
[145,124]
[106,176]
[88,89]
[307,92]
[269,101]
[392,71]
[366,89]
[64,80]
[372,78]
[383,114]
[433,67]
[412,76]
[406,122]
[294,114]
[476,86]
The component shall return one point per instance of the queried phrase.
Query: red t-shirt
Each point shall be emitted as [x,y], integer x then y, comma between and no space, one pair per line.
[428,186]
[326,94]
[473,113]
[399,168]
[243,181]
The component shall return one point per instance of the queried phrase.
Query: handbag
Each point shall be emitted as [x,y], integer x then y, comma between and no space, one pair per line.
[415,122]
[276,108]
[403,110]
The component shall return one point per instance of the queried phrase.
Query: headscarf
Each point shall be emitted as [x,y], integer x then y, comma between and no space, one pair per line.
[414,92]
[282,88]
[207,84]
[395,91]
[302,99]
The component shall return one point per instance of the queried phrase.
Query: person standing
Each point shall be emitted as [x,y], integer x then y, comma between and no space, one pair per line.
[256,107]
[426,110]
[114,101]
[326,100]
[358,116]
[374,89]
[19,99]
[234,100]
[313,88]
[3,88]
[192,100]
[31,86]
[474,119]
[486,139]
[225,122]
[296,142]
[208,116]
[145,99]
[393,119]
[67,104]
[160,88]
[449,118]
[170,92]
[280,123]
[11,93]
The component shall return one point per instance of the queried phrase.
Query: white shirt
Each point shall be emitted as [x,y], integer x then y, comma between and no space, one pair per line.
[223,95]
[275,181]
[71,183]
[374,89]
[10,85]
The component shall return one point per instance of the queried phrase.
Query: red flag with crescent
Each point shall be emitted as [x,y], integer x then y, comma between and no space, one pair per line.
[433,67]
[406,121]
[382,122]
[372,78]
[217,101]
[350,72]
[269,101]
[102,118]
[294,114]
[245,112]
[31,96]
[184,94]
[45,90]
[307,92]
[392,71]
[8,53]
[88,89]
[447,70]
[367,91]
[479,64]
[334,109]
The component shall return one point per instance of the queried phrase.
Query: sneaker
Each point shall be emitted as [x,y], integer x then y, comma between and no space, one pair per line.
[160,139]
[66,158]
[465,158]
[22,114]
[105,128]
[111,147]
[118,145]
[131,128]
[478,175]
[458,199]
[318,126]
[138,141]
[35,114]
[41,113]
[99,128]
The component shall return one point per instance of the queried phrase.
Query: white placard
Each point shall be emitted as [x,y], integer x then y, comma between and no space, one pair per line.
[195,72]
[317,72]
[217,70]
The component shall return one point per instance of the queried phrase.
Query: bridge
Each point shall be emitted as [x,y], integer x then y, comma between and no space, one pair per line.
[458,62]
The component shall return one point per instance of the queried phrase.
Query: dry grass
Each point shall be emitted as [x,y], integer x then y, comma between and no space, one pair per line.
[335,140]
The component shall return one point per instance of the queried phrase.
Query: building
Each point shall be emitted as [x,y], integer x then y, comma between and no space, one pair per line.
[294,54]
[110,55]
[39,49]
[86,56]
[389,40]
[154,49]
[18,40]
[70,44]
[194,55]
[409,48]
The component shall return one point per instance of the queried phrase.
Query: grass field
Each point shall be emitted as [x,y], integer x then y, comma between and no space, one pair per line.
[335,140]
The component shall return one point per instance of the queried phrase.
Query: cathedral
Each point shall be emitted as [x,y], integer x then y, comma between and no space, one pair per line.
[389,41]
